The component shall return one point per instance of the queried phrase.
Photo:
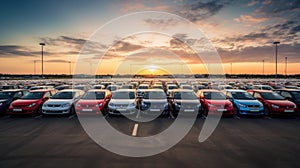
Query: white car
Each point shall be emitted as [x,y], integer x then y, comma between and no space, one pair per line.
[62,102]
[123,102]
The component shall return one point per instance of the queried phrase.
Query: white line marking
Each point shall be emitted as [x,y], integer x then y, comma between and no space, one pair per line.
[135,129]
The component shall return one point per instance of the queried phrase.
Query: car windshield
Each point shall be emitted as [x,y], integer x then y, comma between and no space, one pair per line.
[33,95]
[296,94]
[123,95]
[154,95]
[185,95]
[63,95]
[93,95]
[242,96]
[172,87]
[271,96]
[6,95]
[214,95]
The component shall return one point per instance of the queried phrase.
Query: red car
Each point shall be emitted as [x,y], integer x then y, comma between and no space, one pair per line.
[214,101]
[94,102]
[274,103]
[31,103]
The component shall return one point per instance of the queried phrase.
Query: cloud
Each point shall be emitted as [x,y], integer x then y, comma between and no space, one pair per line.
[15,51]
[162,22]
[199,10]
[253,2]
[250,19]
[57,61]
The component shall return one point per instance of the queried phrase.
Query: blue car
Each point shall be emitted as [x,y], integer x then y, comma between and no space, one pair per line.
[244,103]
[8,96]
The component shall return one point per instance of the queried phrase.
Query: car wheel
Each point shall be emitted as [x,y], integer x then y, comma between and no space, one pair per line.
[39,111]
[236,111]
[72,110]
[267,111]
[205,111]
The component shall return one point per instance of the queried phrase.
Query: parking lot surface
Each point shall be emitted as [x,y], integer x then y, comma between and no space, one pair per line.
[43,141]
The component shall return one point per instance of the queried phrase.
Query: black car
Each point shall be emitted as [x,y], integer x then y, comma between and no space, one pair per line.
[184,100]
[8,96]
[291,95]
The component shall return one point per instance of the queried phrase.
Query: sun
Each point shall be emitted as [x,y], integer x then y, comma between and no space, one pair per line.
[152,68]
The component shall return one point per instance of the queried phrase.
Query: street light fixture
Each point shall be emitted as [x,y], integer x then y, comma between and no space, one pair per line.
[276,43]
[42,44]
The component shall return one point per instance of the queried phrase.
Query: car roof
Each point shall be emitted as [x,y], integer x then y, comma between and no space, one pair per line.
[70,90]
[41,90]
[97,90]
[182,90]
[209,90]
[13,90]
[152,90]
[259,91]
[235,90]
[127,90]
[285,89]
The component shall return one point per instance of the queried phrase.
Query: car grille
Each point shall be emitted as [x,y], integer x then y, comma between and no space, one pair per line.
[253,106]
[121,105]
[53,105]
[87,106]
[286,107]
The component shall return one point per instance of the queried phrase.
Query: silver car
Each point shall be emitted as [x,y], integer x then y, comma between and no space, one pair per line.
[123,102]
[62,102]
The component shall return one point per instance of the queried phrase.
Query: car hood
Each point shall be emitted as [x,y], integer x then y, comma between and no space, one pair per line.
[122,101]
[90,101]
[195,101]
[218,102]
[59,101]
[155,100]
[24,102]
[281,102]
[248,102]
[3,100]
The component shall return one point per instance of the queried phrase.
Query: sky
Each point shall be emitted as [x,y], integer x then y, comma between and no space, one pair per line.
[107,37]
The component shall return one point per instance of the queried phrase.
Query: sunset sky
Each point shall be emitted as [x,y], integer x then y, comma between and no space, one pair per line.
[242,32]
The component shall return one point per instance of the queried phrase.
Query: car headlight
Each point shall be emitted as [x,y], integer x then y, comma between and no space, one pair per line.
[31,105]
[166,105]
[230,105]
[65,105]
[132,104]
[44,105]
[242,105]
[99,105]
[177,104]
[210,105]
[111,104]
[274,106]
[1,104]
[78,105]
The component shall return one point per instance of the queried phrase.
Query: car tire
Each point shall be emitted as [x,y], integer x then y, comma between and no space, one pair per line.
[236,111]
[39,110]
[267,111]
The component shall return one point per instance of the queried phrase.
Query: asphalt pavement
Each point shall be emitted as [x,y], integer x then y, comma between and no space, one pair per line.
[40,141]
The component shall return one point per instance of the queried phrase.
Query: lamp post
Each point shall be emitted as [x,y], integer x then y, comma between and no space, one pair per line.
[34,67]
[263,70]
[42,44]
[285,66]
[70,67]
[276,43]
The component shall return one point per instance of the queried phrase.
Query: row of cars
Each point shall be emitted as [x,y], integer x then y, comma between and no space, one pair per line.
[149,101]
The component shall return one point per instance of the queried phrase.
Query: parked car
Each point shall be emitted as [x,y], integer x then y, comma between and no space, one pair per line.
[154,102]
[214,101]
[244,103]
[262,87]
[94,101]
[41,87]
[62,102]
[291,95]
[31,103]
[8,96]
[184,101]
[98,87]
[170,87]
[8,87]
[123,102]
[274,103]
[113,87]
[187,87]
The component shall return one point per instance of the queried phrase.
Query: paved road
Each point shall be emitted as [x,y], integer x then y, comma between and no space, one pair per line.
[61,142]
